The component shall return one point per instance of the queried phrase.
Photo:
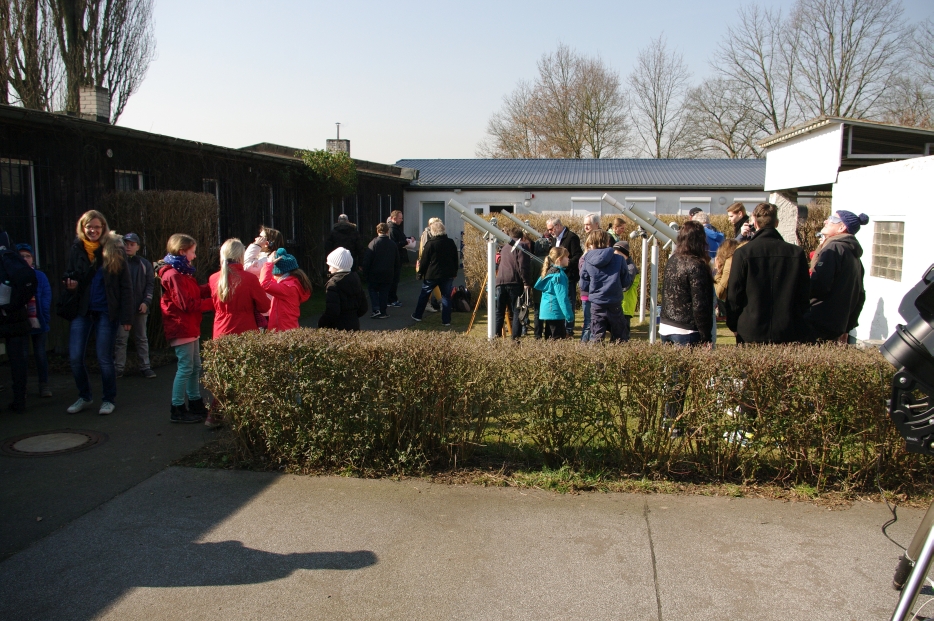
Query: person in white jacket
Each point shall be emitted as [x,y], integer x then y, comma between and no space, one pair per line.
[265,245]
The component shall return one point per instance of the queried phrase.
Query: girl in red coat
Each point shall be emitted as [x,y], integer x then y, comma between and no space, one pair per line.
[237,294]
[183,301]
[289,288]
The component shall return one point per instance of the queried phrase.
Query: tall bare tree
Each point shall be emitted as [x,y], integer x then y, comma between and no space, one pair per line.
[574,109]
[722,120]
[758,55]
[849,53]
[658,85]
[29,61]
[106,43]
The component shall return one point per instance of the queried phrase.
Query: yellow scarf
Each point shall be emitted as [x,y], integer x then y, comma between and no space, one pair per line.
[90,247]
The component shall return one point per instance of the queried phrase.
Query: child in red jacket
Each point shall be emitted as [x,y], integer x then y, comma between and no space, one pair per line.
[288,289]
[238,297]
[183,301]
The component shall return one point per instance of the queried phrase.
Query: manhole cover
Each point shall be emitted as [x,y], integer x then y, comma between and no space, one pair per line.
[58,442]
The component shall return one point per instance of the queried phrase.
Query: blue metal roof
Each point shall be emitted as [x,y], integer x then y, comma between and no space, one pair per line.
[604,173]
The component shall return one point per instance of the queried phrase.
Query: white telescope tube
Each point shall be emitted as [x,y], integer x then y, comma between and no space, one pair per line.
[479,222]
[525,227]
[646,220]
[654,291]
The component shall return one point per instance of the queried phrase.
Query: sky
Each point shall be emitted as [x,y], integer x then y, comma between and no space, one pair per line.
[406,80]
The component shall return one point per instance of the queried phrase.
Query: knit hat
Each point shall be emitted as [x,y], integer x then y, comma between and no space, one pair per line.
[852,221]
[340,259]
[285,264]
[623,246]
[26,247]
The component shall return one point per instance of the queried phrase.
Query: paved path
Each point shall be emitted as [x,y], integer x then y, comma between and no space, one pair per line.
[205,544]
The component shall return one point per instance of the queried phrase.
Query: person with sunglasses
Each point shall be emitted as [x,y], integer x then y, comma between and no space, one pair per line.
[837,293]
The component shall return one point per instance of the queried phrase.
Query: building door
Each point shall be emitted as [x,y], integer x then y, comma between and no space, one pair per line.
[431,210]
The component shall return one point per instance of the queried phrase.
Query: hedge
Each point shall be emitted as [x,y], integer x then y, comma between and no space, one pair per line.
[412,402]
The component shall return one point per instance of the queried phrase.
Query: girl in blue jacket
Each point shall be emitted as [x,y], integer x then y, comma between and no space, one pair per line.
[555,308]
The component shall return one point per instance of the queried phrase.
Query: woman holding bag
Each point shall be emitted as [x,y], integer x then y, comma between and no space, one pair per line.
[98,297]
[238,297]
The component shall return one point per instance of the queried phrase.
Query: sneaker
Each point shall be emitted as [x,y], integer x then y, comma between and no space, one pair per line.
[396,304]
[382,316]
[375,315]
[106,408]
[78,405]
[148,373]
[45,391]
[119,373]
[446,325]
[213,421]
[416,318]
[431,309]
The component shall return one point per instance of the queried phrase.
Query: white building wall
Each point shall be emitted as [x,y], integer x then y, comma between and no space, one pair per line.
[563,201]
[900,192]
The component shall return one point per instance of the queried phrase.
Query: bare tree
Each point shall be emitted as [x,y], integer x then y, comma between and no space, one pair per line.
[758,55]
[908,101]
[106,43]
[28,54]
[923,51]
[658,85]
[849,53]
[574,109]
[722,120]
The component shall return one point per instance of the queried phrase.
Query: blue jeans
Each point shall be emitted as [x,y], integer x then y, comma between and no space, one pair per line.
[684,340]
[188,374]
[42,358]
[379,296]
[585,329]
[445,284]
[81,328]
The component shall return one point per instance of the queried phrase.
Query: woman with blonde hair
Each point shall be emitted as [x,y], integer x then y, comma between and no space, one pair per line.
[99,297]
[183,302]
[237,294]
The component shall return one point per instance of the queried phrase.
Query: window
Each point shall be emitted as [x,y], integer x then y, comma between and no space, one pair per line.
[888,244]
[128,180]
[646,203]
[17,204]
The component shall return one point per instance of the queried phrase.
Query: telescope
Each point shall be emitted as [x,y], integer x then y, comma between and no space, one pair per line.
[911,351]
[524,226]
[644,219]
[479,222]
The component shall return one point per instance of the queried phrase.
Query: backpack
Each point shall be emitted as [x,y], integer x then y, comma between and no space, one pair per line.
[18,285]
[460,299]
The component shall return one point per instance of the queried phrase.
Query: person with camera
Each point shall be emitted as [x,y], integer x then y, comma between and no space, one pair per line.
[769,286]
[837,293]
[739,219]
[98,298]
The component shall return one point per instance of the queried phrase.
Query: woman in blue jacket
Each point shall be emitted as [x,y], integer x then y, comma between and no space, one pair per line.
[555,308]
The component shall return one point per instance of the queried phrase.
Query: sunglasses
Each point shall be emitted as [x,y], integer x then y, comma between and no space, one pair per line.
[834,219]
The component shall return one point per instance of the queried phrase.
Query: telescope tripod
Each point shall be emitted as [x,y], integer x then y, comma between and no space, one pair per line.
[913,567]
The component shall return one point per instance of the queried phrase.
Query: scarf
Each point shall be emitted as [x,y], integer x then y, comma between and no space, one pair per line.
[181,264]
[90,248]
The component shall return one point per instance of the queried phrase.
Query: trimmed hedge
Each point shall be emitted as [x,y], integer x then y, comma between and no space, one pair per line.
[411,402]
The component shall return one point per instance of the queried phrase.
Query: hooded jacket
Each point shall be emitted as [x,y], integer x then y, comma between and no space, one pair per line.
[183,301]
[768,291]
[600,277]
[837,293]
[237,314]
[555,304]
[514,265]
[287,297]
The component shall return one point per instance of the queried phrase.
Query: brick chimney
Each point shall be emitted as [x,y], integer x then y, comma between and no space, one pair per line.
[94,103]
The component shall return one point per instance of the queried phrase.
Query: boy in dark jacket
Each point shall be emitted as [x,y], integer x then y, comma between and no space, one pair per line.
[600,280]
[344,299]
[142,278]
[381,267]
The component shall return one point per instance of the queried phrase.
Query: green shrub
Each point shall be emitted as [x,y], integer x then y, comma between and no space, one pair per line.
[411,402]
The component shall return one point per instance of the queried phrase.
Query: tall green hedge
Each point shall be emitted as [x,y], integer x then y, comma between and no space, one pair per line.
[410,402]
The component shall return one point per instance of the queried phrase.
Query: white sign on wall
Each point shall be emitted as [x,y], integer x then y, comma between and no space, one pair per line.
[811,159]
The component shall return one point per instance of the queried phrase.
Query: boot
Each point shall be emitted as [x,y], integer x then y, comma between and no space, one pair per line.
[180,414]
[196,407]
[44,390]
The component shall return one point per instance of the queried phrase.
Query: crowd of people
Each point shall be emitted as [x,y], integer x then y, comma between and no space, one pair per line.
[767,289]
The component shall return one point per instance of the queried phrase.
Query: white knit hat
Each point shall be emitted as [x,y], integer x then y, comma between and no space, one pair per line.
[340,259]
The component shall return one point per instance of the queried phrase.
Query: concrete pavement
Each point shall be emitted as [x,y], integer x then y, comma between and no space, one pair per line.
[206,544]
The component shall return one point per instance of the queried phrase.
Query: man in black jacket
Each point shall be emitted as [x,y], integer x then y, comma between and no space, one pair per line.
[568,239]
[345,235]
[769,287]
[513,278]
[381,268]
[438,267]
[737,215]
[837,293]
